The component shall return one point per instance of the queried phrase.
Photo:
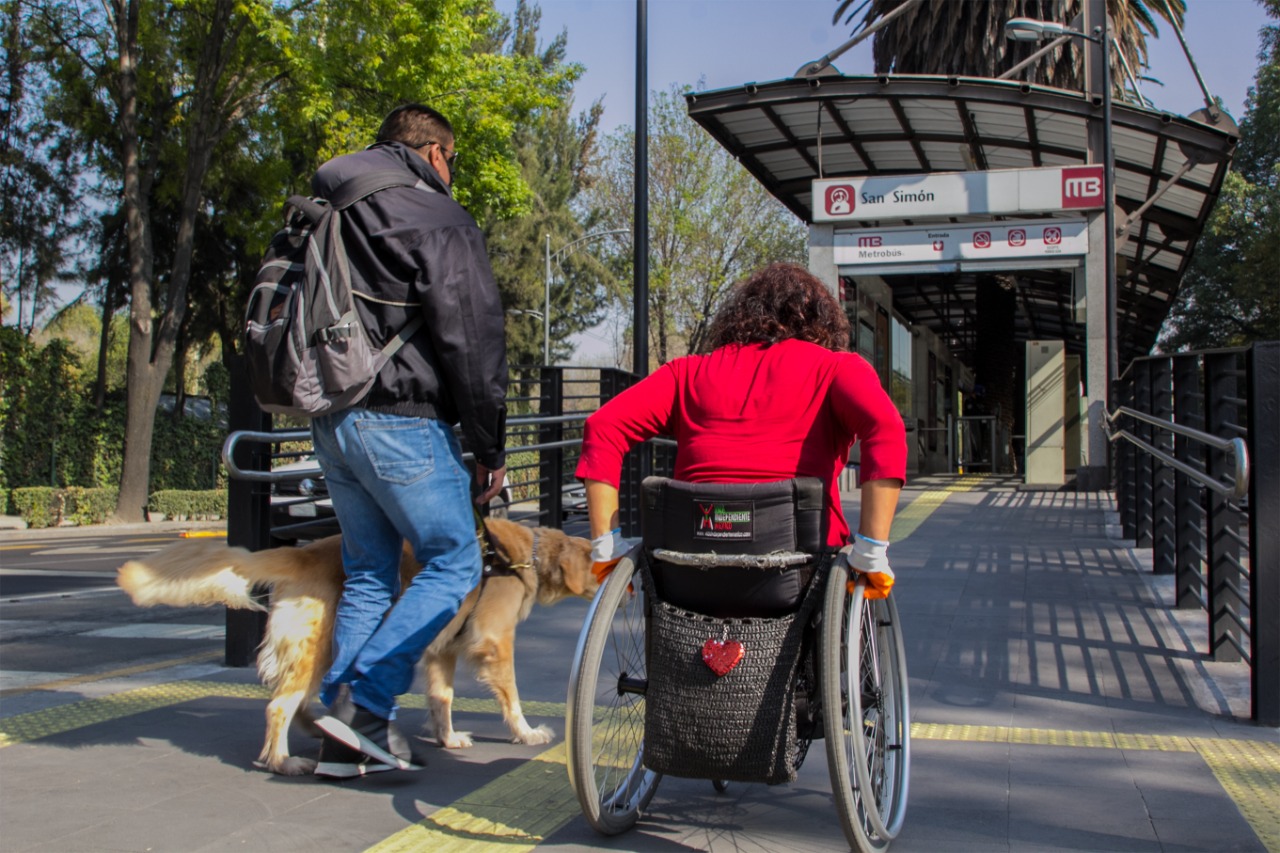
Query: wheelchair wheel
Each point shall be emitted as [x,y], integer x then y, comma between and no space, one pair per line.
[865,706]
[605,709]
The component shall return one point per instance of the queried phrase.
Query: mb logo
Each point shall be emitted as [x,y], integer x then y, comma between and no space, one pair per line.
[1082,187]
[870,242]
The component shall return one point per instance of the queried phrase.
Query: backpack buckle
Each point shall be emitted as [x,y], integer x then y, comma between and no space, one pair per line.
[335,333]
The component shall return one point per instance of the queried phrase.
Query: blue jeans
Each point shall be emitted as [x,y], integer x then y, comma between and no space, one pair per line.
[394,478]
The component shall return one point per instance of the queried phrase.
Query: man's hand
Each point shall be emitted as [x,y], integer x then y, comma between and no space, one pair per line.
[870,557]
[490,482]
[606,550]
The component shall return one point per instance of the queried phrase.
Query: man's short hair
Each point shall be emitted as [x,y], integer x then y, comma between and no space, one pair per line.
[415,125]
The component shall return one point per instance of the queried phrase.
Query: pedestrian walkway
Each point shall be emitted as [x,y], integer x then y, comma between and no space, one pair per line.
[1057,704]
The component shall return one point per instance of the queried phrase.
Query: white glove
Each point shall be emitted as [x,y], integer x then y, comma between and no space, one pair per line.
[611,546]
[871,558]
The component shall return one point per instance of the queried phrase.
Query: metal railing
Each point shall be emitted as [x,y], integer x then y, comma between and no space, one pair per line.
[1197,478]
[548,407]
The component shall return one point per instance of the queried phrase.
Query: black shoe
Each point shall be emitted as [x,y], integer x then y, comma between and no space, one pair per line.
[339,761]
[365,731]
[344,709]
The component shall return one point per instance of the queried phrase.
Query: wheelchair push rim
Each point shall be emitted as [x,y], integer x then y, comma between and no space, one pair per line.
[866,712]
[605,708]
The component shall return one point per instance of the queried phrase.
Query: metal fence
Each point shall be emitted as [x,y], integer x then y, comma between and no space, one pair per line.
[1197,478]
[276,491]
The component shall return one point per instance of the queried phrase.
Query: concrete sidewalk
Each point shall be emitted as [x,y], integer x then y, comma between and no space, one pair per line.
[1057,704]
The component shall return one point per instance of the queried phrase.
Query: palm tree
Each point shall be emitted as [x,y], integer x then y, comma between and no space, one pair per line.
[949,37]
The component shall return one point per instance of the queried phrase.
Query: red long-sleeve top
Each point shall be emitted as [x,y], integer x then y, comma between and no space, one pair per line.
[750,413]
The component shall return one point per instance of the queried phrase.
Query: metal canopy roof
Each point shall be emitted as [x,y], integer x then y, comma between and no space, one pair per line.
[789,132]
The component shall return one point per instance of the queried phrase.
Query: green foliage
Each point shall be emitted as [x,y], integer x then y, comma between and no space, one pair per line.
[710,224]
[52,435]
[555,148]
[1230,296]
[39,506]
[186,453]
[89,506]
[184,505]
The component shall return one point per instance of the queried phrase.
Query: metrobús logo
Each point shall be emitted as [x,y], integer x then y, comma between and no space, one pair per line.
[1082,186]
[725,520]
[839,200]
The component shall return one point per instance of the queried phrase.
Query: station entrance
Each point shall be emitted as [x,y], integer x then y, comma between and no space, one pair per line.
[993,274]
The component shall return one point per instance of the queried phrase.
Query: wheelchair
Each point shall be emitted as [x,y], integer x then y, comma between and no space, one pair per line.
[746,567]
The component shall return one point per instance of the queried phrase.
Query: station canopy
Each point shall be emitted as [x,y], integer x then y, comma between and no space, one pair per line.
[1169,170]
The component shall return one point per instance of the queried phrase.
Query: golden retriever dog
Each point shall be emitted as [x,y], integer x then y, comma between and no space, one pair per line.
[522,565]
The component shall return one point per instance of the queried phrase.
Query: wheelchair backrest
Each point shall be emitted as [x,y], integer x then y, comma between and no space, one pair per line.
[734,518]
[733,549]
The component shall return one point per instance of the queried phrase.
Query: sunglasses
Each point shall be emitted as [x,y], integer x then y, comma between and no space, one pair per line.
[449,156]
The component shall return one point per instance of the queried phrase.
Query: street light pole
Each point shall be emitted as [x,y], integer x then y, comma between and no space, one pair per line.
[546,290]
[1030,29]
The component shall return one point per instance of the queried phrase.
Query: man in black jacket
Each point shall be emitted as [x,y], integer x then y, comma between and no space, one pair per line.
[392,463]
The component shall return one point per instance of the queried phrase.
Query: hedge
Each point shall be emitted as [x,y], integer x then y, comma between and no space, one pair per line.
[39,506]
[185,505]
[43,506]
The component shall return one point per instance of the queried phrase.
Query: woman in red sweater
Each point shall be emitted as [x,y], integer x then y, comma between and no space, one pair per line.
[778,396]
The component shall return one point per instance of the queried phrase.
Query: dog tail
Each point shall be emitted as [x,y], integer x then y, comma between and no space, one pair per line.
[195,573]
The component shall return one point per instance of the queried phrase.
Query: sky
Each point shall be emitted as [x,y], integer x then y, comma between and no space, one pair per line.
[730,42]
[712,44]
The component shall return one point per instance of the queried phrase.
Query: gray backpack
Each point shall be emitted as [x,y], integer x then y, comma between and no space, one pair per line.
[307,352]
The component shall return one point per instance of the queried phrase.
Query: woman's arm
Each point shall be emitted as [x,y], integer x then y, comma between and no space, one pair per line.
[878,505]
[602,506]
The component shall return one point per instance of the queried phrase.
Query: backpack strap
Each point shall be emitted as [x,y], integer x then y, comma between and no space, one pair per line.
[352,190]
[402,337]
[360,187]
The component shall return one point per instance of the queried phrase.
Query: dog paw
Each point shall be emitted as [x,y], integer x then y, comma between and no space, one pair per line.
[457,740]
[534,737]
[289,766]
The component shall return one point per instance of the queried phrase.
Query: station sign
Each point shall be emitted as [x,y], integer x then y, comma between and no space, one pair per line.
[1040,238]
[1002,192]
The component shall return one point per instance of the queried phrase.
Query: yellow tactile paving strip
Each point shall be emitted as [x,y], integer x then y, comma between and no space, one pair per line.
[516,811]
[914,514]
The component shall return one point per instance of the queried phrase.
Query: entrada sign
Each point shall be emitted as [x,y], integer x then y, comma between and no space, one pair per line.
[1002,192]
[1042,238]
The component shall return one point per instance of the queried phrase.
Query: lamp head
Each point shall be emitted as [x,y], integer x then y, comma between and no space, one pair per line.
[1024,29]
[1030,29]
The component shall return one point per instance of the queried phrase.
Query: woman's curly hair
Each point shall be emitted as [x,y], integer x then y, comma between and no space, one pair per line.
[777,303]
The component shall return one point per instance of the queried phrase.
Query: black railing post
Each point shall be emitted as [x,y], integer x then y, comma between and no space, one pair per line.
[1221,384]
[613,383]
[1164,547]
[1264,525]
[1125,458]
[1188,410]
[551,462]
[1145,466]
[248,510]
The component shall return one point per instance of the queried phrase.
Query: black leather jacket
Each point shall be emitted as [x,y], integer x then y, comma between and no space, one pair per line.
[416,250]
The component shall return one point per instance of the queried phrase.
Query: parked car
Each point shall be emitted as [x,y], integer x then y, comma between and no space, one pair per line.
[300,505]
[573,500]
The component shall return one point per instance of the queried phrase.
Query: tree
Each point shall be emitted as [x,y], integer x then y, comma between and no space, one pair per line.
[40,208]
[1229,296]
[555,149]
[159,96]
[949,38]
[710,223]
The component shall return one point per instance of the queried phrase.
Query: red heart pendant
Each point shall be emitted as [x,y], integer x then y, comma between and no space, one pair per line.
[721,655]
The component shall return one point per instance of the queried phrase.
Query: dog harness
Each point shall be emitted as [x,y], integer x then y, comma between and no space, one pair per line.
[491,567]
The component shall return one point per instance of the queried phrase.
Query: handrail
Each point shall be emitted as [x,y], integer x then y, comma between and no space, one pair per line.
[1236,446]
[237,473]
